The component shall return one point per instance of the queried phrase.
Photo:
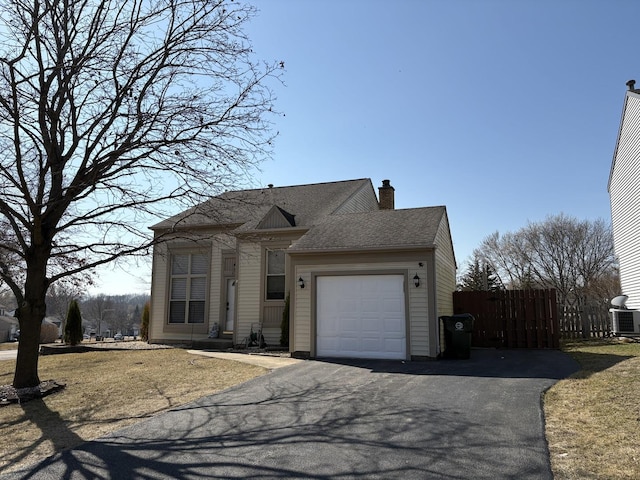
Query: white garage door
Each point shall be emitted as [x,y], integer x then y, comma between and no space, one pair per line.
[361,316]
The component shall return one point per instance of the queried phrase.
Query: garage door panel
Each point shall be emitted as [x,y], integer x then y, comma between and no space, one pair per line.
[371,344]
[393,325]
[370,325]
[369,307]
[361,316]
[350,326]
[392,307]
[394,345]
[328,344]
[347,305]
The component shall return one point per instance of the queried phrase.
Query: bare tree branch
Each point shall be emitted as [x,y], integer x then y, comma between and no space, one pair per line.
[574,257]
[111,114]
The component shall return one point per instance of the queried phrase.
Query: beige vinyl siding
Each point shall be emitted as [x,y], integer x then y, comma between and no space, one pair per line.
[271,319]
[364,200]
[158,293]
[624,191]
[445,270]
[274,219]
[419,311]
[301,311]
[249,292]
[215,284]
[417,300]
[160,285]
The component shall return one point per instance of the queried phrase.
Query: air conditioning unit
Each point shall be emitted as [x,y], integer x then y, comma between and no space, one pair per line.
[623,320]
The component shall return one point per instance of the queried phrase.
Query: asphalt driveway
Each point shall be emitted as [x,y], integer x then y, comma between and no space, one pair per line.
[460,419]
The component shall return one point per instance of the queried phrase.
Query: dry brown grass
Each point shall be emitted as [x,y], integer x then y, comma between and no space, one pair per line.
[593,417]
[9,346]
[105,391]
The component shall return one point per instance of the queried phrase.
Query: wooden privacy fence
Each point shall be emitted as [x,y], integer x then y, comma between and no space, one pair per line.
[511,318]
[584,321]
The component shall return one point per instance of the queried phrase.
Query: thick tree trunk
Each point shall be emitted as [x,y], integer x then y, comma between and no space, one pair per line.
[30,315]
[26,373]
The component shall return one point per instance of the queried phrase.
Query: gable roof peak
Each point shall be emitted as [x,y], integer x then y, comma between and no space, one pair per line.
[276,217]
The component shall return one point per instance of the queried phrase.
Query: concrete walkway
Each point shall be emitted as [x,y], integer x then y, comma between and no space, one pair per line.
[262,360]
[8,354]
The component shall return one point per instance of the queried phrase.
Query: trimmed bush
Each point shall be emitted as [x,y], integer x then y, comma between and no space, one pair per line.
[48,332]
[73,325]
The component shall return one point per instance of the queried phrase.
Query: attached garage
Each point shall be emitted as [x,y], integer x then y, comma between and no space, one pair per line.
[361,316]
[371,285]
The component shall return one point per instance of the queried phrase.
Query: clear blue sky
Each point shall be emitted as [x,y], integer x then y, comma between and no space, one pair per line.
[504,111]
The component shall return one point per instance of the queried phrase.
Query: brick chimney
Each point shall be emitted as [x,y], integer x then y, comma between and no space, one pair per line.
[386,195]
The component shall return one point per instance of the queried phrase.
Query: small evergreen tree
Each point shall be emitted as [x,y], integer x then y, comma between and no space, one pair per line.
[480,277]
[284,325]
[73,325]
[144,324]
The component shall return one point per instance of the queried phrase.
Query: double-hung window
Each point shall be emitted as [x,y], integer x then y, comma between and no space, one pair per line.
[275,275]
[188,288]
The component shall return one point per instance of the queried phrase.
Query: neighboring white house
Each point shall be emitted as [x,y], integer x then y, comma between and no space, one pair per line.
[364,280]
[624,193]
[8,328]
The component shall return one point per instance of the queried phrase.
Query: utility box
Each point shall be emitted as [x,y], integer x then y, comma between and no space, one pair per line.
[457,335]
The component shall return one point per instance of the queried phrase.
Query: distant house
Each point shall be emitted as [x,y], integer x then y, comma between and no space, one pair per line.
[9,325]
[364,280]
[624,194]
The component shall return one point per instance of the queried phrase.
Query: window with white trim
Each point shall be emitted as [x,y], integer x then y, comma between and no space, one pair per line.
[275,275]
[187,297]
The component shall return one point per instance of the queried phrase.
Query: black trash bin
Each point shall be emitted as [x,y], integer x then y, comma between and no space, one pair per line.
[457,335]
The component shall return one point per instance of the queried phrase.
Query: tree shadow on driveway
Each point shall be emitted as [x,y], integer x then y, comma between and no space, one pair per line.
[331,420]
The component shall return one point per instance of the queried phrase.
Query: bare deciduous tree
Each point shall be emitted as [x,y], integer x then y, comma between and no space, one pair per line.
[574,257]
[108,110]
[98,312]
[61,294]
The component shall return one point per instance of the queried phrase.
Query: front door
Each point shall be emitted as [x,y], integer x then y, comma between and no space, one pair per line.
[231,304]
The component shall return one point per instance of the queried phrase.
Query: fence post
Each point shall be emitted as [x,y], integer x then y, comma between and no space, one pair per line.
[584,321]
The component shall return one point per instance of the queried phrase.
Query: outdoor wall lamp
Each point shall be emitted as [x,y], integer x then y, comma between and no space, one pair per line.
[300,282]
[416,280]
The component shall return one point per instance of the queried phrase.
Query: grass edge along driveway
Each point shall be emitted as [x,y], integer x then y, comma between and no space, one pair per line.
[593,417]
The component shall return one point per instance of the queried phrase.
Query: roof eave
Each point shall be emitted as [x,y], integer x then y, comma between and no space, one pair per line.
[628,93]
[198,227]
[380,249]
[270,231]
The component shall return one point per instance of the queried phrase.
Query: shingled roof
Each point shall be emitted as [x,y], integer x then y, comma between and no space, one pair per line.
[413,227]
[246,208]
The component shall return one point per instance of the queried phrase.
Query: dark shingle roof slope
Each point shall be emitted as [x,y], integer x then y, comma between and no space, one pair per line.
[307,203]
[413,227]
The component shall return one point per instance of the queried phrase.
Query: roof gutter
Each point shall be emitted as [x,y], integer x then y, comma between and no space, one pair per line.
[351,250]
[177,227]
